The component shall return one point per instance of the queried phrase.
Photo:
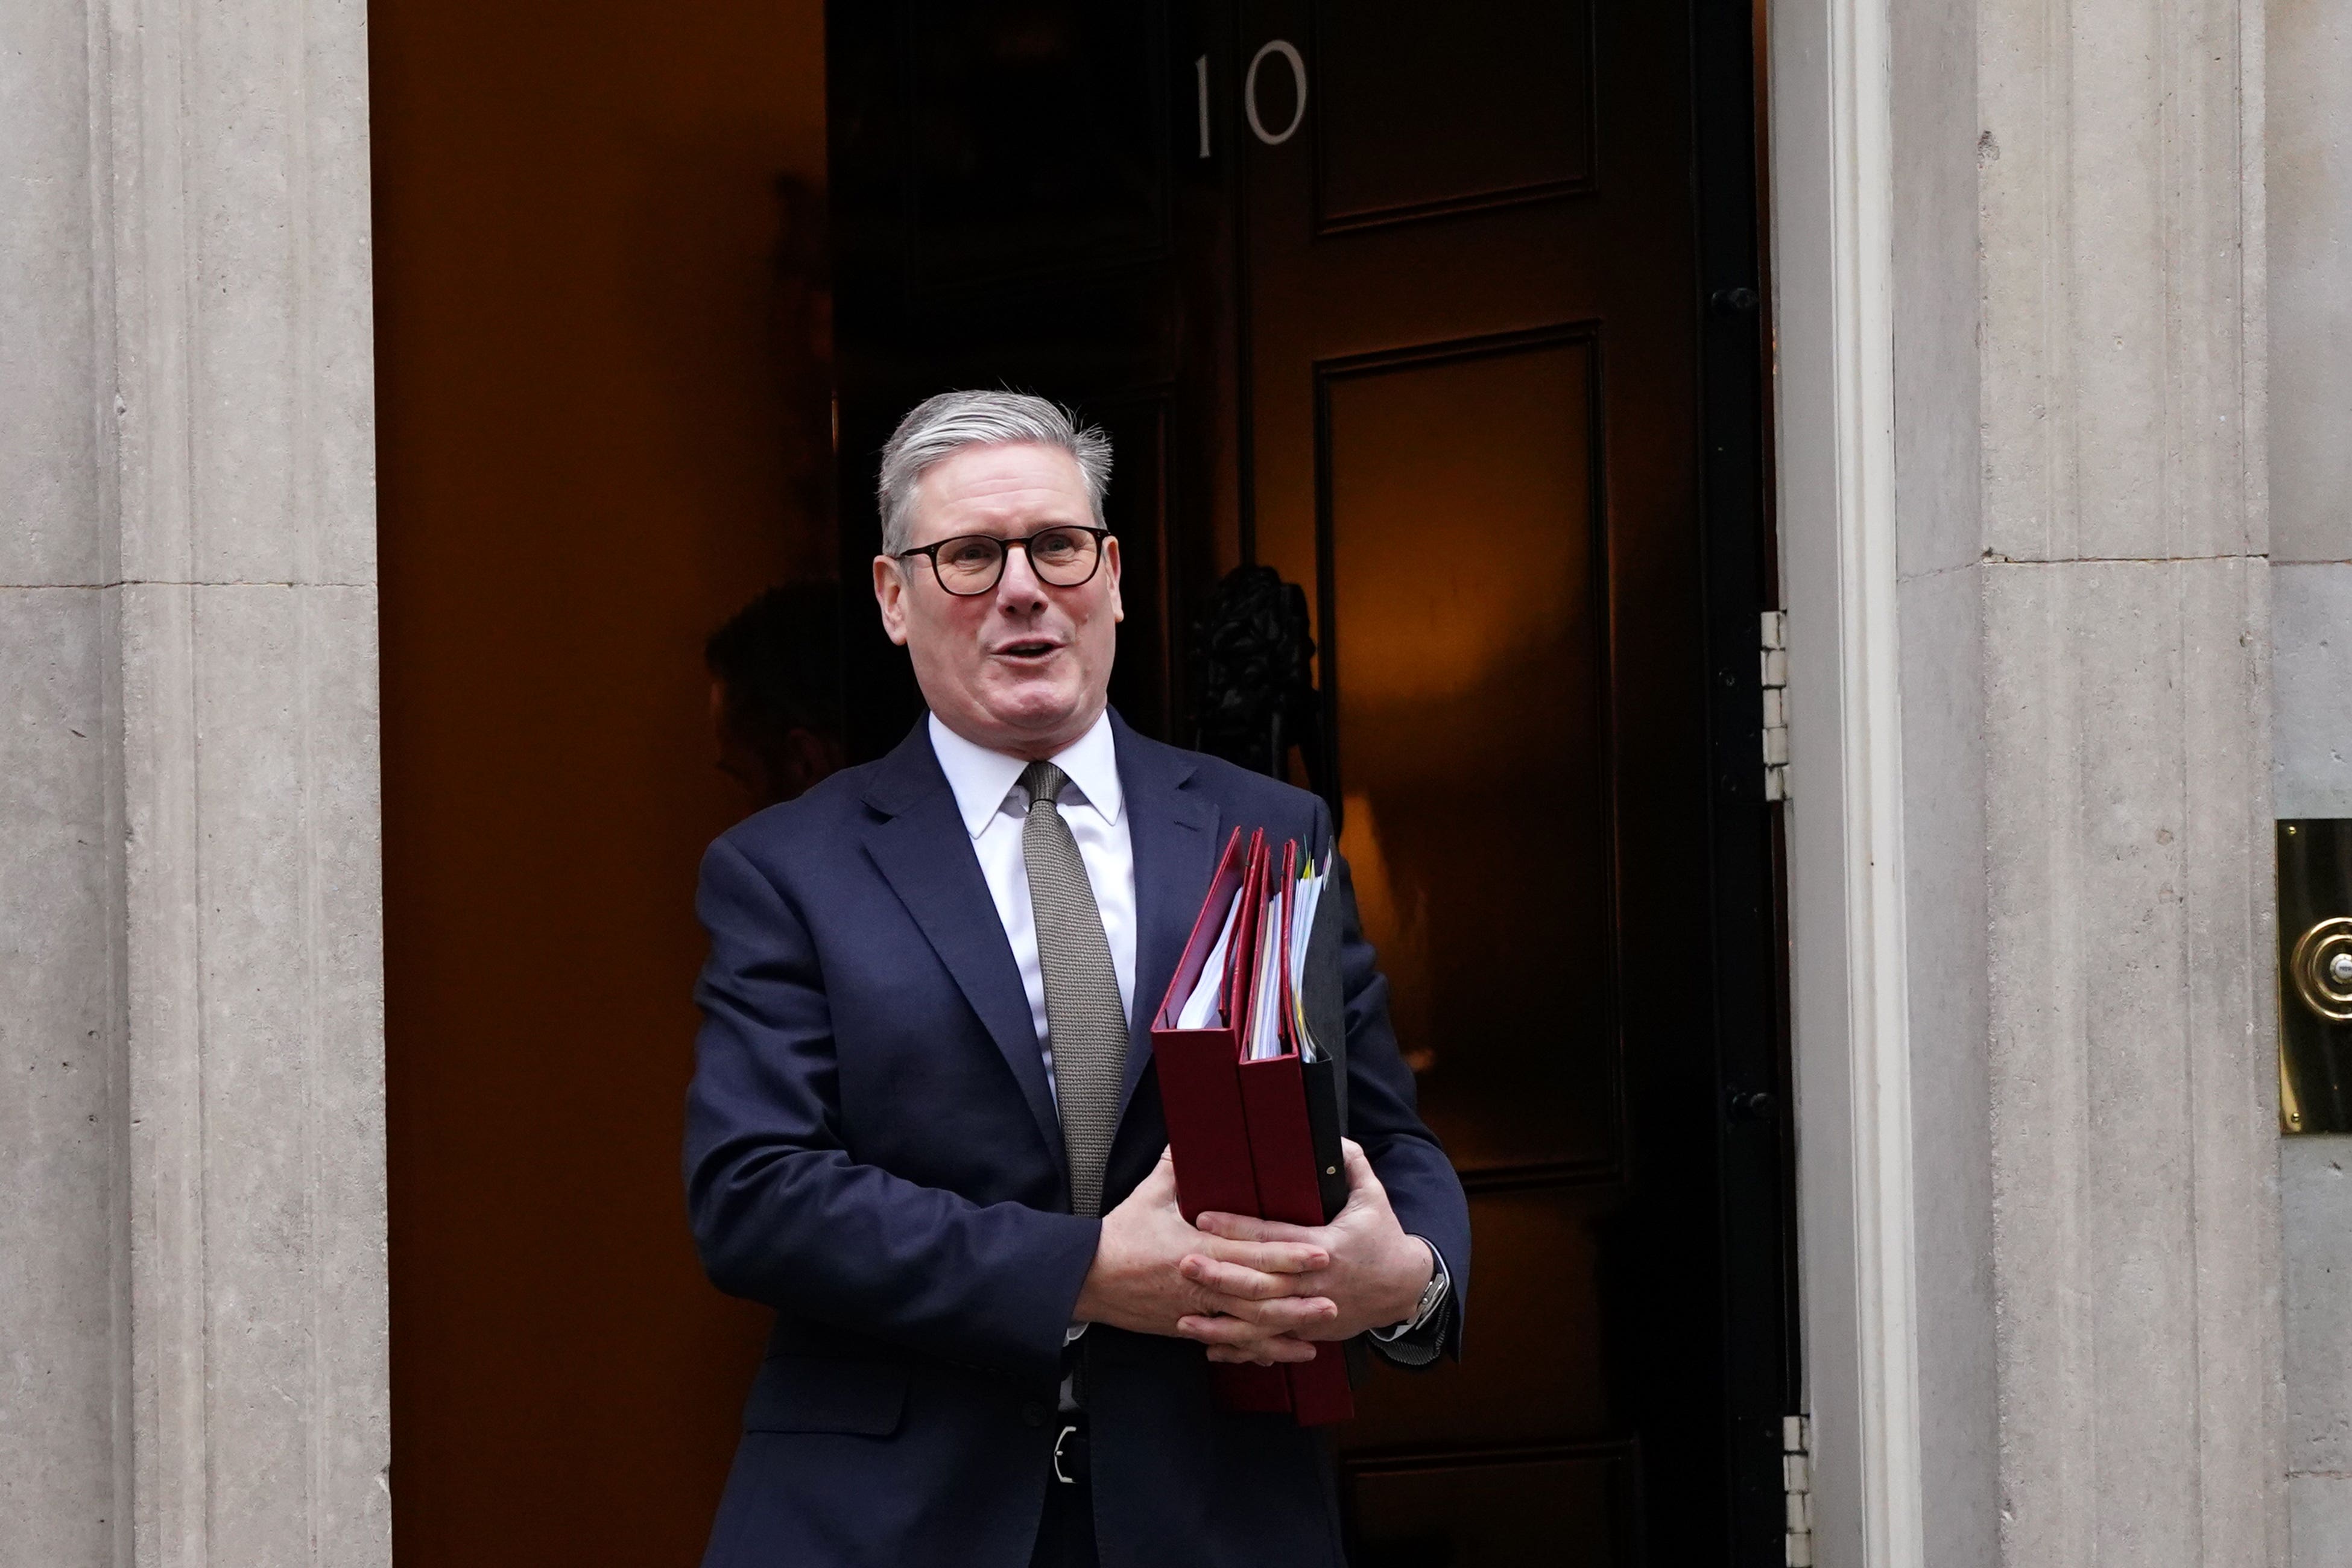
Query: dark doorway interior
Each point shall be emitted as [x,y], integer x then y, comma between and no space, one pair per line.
[602,427]
[1452,316]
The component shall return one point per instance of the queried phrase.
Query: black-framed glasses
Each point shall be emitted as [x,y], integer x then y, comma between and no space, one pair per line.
[1065,556]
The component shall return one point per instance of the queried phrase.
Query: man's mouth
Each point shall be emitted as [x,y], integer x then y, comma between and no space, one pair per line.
[1027,649]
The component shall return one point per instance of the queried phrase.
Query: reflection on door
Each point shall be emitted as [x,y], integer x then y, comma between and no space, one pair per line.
[1464,655]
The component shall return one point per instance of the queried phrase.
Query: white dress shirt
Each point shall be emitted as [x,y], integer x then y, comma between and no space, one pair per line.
[987,787]
[989,797]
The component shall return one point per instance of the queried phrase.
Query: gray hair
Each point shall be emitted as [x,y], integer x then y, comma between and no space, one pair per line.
[938,427]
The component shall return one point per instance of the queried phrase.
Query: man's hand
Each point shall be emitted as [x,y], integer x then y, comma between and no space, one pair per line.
[1375,1276]
[1139,1281]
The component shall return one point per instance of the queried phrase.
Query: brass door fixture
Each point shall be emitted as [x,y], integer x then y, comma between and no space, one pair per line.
[2315,895]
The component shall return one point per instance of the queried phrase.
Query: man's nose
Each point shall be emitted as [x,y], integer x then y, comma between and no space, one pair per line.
[1018,587]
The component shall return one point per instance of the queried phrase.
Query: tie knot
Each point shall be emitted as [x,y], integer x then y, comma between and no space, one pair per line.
[1042,781]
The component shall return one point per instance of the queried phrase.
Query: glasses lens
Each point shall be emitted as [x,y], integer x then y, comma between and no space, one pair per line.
[1063,556]
[969,564]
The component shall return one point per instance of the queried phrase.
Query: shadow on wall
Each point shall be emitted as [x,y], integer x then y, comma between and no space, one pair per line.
[603,406]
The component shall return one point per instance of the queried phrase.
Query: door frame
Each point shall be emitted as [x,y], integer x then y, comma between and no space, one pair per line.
[1830,216]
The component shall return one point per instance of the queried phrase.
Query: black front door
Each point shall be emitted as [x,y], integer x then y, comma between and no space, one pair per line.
[1447,314]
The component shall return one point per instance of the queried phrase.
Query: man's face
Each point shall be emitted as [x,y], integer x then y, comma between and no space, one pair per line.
[1023,669]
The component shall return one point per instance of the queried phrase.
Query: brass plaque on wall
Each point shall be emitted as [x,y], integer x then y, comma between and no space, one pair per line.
[2314,907]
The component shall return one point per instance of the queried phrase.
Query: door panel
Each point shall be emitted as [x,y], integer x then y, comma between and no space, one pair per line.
[1464,656]
[1569,1509]
[1420,111]
[1539,1374]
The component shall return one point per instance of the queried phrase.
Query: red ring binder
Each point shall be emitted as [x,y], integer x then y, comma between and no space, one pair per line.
[1240,1130]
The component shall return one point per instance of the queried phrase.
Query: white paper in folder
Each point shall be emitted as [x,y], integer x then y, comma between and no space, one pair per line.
[1200,1010]
[1265,1014]
[1303,904]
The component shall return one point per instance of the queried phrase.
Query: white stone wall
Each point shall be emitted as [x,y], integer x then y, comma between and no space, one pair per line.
[192,1268]
[2125,599]
[2078,414]
[2310,157]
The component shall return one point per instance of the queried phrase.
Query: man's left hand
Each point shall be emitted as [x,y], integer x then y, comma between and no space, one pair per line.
[1375,1276]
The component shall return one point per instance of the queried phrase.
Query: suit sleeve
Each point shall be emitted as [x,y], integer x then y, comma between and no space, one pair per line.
[1383,1116]
[780,1211]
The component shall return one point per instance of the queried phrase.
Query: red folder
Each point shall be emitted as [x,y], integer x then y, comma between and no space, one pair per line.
[1282,1151]
[1202,1092]
[1239,1128]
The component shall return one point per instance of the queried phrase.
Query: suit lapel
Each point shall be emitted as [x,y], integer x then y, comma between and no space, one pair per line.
[924,853]
[1173,831]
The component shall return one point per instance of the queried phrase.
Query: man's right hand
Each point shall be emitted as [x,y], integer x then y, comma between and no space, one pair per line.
[1137,1281]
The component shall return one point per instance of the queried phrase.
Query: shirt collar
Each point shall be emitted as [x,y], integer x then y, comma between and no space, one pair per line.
[982,778]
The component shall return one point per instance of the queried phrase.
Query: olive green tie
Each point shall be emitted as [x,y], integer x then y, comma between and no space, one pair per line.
[1086,1026]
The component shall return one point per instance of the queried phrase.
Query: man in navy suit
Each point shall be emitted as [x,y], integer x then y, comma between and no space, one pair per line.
[923,1125]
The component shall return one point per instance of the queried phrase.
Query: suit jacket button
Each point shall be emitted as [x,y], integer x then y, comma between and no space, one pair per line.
[1033,1414]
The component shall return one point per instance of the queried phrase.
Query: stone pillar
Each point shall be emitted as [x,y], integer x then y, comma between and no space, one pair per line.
[2020,297]
[194,1295]
[2125,596]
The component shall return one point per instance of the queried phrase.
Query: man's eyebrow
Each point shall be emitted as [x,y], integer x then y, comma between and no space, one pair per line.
[1026,526]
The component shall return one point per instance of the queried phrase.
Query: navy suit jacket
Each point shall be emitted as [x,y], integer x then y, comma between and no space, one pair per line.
[872,1150]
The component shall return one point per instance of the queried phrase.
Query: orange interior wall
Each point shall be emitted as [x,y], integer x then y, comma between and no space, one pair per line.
[587,458]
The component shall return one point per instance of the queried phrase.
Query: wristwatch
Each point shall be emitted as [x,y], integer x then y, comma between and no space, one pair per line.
[1432,1295]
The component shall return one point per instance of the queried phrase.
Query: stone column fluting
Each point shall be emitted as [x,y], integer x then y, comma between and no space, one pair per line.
[201,1277]
[2126,742]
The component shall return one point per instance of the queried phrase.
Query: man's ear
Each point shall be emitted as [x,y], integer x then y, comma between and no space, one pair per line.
[1110,564]
[890,594]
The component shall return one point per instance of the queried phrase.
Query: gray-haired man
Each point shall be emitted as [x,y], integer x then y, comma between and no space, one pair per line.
[924,1127]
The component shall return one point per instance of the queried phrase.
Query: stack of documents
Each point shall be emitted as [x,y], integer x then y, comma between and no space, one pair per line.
[1251,1046]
